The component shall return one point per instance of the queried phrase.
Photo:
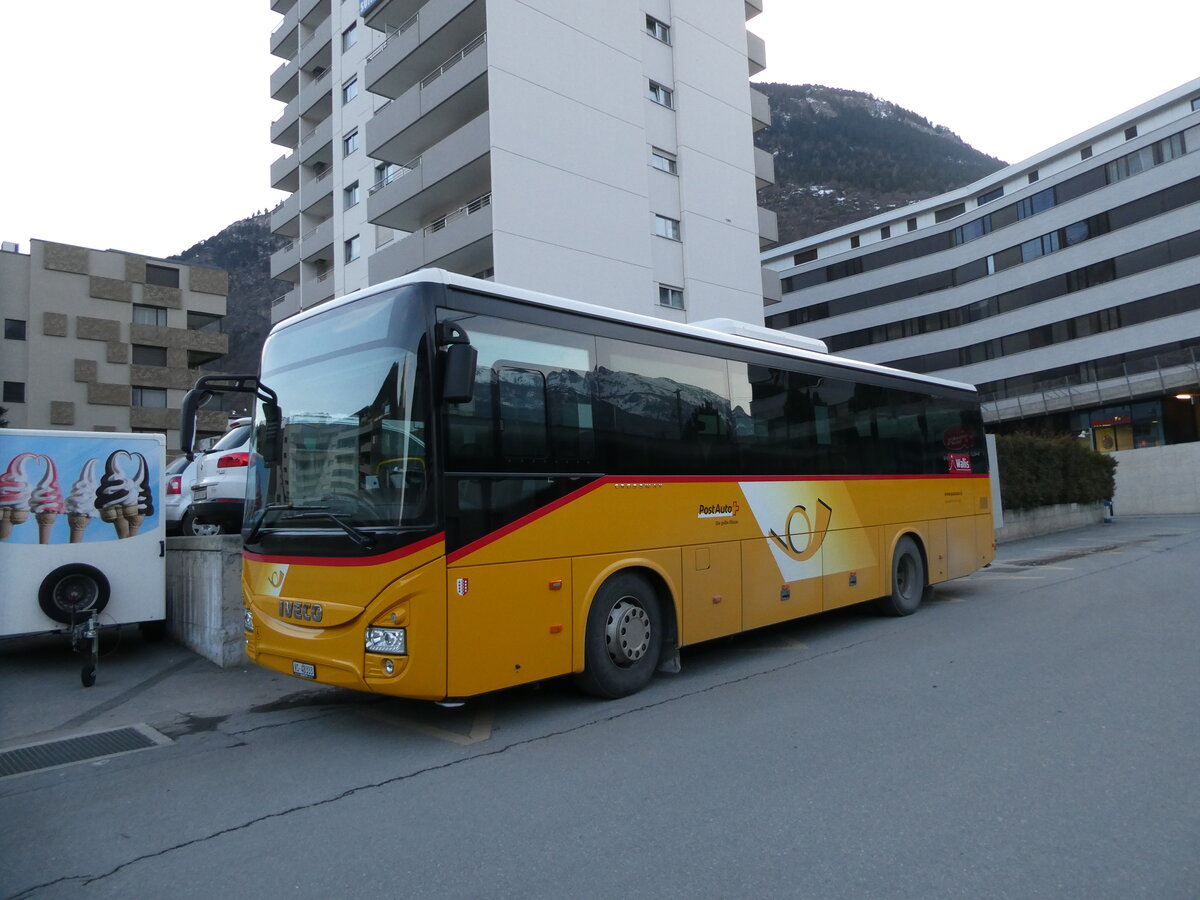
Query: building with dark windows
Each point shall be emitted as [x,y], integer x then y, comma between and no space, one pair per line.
[102,340]
[1067,286]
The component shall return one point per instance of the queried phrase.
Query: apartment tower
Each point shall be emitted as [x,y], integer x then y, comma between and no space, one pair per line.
[602,152]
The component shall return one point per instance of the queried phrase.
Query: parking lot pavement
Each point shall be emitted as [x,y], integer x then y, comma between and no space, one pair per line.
[167,686]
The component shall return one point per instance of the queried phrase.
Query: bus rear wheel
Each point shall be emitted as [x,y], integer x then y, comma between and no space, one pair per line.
[908,580]
[623,640]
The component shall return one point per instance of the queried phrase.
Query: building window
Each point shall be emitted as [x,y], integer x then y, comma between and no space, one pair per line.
[1033,176]
[149,315]
[350,90]
[657,29]
[350,143]
[164,276]
[949,212]
[350,196]
[206,322]
[912,224]
[1196,104]
[1085,153]
[144,355]
[854,242]
[352,249]
[989,196]
[350,37]
[14,392]
[804,256]
[661,95]
[14,329]
[1130,132]
[154,398]
[885,232]
[664,161]
[670,296]
[666,227]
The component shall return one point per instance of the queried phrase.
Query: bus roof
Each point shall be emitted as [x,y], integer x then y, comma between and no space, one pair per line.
[723,331]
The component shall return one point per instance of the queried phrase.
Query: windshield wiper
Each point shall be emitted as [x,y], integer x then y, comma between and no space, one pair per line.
[357,535]
[256,529]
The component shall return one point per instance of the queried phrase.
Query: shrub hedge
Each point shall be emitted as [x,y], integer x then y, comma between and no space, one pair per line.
[1042,471]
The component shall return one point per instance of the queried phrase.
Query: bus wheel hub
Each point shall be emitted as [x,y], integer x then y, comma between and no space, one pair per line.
[627,633]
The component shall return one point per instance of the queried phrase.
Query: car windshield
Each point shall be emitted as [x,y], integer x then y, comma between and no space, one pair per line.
[353,399]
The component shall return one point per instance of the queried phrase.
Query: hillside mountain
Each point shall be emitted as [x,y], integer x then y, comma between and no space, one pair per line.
[841,156]
[244,250]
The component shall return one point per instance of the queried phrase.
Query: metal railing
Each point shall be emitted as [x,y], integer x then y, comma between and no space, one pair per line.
[454,60]
[391,34]
[471,208]
[400,172]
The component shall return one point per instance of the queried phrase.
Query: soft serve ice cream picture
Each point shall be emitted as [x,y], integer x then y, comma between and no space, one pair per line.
[117,495]
[15,492]
[47,500]
[81,502]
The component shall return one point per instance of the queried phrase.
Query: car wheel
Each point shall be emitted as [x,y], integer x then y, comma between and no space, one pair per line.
[191,528]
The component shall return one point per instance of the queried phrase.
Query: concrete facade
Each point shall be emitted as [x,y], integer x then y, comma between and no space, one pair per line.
[1066,286]
[76,351]
[531,142]
[1158,481]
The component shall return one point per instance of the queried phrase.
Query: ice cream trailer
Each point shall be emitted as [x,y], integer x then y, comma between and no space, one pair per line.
[82,531]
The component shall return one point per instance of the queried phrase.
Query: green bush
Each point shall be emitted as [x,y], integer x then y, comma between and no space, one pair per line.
[1041,471]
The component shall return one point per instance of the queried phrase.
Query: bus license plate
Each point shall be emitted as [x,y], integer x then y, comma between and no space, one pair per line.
[304,670]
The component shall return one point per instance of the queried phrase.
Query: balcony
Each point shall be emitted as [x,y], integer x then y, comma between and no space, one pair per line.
[460,241]
[387,15]
[317,288]
[285,172]
[312,11]
[317,146]
[768,228]
[285,218]
[760,110]
[422,44]
[287,305]
[316,195]
[285,130]
[316,97]
[317,243]
[753,8]
[282,6]
[285,37]
[315,49]
[449,173]
[285,262]
[756,53]
[772,287]
[454,93]
[284,83]
[764,168]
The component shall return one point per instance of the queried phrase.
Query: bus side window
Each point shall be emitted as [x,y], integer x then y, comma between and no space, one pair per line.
[522,395]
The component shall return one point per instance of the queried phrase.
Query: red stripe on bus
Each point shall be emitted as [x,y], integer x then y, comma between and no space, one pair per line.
[340,561]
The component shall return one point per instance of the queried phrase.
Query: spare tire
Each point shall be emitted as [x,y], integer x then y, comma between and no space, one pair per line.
[73,592]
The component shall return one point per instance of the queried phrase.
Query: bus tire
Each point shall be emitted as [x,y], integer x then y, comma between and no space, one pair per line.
[624,636]
[73,592]
[908,580]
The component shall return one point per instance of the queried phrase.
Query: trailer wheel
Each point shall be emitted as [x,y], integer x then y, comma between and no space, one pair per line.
[73,592]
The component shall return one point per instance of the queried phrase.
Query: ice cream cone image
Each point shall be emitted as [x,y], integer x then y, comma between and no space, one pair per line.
[15,492]
[79,524]
[145,496]
[116,497]
[133,520]
[45,522]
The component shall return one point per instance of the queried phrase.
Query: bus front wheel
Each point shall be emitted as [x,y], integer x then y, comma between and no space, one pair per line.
[908,580]
[623,638]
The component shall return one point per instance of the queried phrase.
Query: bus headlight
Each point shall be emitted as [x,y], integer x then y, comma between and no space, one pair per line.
[393,641]
[247,620]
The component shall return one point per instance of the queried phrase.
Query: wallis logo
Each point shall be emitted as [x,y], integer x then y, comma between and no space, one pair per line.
[814,533]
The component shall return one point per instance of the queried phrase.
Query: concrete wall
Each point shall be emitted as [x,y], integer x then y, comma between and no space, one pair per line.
[1158,480]
[204,596]
[1026,523]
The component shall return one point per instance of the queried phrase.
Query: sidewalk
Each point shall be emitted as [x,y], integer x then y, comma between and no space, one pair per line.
[169,687]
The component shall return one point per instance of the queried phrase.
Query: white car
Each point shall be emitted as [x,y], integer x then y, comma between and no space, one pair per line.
[219,488]
[177,505]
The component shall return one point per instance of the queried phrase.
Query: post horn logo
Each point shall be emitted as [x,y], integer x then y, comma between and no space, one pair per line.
[815,533]
[276,578]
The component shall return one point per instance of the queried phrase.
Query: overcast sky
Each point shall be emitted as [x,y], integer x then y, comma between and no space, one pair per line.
[144,124]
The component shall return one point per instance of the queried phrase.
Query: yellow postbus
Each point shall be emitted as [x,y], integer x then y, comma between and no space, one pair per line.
[458,487]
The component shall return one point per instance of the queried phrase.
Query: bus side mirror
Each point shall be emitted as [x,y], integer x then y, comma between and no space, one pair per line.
[458,363]
[192,401]
[269,441]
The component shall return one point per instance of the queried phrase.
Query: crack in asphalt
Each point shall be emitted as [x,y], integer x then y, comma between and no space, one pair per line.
[86,880]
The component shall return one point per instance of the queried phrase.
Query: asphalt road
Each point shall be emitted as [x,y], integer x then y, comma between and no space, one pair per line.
[1032,732]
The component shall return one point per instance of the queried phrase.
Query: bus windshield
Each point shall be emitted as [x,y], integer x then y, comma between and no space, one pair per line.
[352,394]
